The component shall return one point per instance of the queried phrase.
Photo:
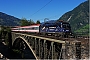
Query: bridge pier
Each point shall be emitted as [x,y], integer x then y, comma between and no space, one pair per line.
[63,51]
[45,49]
[39,48]
[52,49]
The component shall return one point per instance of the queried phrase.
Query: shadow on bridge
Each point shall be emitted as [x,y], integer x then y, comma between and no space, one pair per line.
[22,49]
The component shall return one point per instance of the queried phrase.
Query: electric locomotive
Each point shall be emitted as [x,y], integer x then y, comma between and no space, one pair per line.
[56,28]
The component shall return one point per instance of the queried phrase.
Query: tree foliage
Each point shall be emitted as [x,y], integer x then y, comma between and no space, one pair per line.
[5,34]
[25,22]
[31,22]
[37,22]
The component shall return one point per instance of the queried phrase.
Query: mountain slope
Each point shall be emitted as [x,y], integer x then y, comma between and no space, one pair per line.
[7,20]
[78,17]
[83,30]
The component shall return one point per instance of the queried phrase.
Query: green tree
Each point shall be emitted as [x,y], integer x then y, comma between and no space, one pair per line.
[31,22]
[24,22]
[38,22]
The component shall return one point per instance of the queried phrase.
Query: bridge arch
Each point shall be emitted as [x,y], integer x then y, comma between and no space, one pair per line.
[18,40]
[21,44]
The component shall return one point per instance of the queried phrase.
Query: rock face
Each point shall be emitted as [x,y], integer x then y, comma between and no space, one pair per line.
[7,20]
[77,49]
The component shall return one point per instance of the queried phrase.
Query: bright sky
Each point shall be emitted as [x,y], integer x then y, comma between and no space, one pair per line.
[38,9]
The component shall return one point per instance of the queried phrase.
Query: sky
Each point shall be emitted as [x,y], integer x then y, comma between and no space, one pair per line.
[38,9]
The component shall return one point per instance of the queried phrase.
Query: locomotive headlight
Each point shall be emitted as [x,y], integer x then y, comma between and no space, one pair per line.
[67,30]
[63,30]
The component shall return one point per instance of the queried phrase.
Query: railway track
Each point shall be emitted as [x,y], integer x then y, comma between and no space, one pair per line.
[71,38]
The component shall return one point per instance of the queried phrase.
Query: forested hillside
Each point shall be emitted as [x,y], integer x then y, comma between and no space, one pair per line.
[78,18]
[7,20]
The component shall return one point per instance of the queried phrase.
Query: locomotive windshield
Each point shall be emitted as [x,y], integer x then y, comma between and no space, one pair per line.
[66,25]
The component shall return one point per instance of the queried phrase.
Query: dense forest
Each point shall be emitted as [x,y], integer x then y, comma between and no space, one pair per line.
[8,20]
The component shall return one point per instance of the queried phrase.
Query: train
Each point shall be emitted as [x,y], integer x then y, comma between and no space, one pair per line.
[52,27]
[28,29]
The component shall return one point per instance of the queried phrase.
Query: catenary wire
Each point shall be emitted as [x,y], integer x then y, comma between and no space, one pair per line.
[41,8]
